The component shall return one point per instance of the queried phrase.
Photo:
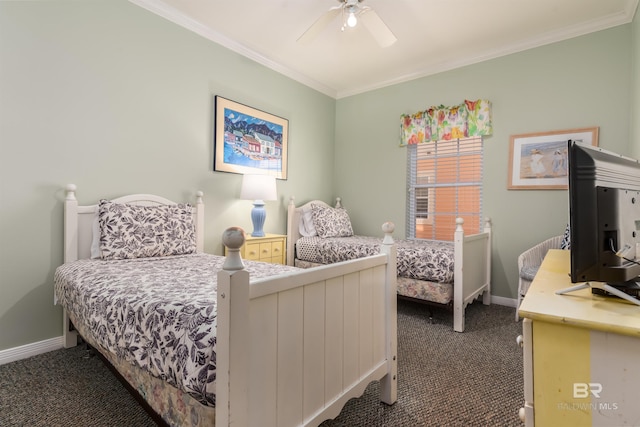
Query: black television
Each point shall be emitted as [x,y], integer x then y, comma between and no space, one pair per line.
[604,219]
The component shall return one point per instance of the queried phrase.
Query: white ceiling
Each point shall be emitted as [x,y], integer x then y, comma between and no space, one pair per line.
[433,35]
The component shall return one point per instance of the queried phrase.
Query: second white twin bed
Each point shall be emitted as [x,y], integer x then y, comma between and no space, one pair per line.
[448,273]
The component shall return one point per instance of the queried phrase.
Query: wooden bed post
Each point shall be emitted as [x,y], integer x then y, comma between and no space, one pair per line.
[199,222]
[233,335]
[69,335]
[486,297]
[292,231]
[472,270]
[389,384]
[71,223]
[458,277]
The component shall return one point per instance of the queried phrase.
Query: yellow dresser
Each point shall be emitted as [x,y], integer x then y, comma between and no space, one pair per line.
[581,353]
[270,248]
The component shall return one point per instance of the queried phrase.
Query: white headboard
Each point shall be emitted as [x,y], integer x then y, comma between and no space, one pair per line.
[78,221]
[294,216]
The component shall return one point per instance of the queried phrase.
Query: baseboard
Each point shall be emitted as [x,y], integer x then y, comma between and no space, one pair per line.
[28,350]
[508,302]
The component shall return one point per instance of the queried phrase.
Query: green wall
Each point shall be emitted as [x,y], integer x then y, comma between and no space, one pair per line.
[117,100]
[635,107]
[108,96]
[582,82]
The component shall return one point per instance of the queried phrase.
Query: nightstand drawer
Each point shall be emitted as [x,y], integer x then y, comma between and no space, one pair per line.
[270,248]
[277,249]
[265,251]
[251,251]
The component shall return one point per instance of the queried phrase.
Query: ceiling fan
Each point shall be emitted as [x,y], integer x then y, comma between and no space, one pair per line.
[352,12]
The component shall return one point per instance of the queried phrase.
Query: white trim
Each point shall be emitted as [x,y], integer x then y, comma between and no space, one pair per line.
[507,302]
[172,14]
[161,8]
[29,350]
[555,36]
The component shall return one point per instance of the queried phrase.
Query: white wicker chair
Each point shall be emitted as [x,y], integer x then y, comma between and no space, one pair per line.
[528,263]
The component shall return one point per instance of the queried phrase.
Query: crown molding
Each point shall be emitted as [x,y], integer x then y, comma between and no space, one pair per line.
[160,8]
[173,15]
[551,37]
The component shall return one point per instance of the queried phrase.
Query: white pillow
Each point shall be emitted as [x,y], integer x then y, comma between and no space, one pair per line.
[307,229]
[96,253]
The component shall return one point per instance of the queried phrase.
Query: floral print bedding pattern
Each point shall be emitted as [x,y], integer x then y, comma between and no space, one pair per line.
[129,231]
[441,293]
[331,222]
[177,408]
[430,260]
[156,313]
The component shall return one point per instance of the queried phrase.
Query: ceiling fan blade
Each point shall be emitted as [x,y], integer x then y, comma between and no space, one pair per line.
[320,24]
[377,28]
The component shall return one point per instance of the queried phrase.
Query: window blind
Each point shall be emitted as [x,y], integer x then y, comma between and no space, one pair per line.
[444,182]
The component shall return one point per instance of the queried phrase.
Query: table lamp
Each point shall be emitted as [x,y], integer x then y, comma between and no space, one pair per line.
[258,188]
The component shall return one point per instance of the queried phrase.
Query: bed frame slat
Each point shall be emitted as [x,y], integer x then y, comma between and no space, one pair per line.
[309,322]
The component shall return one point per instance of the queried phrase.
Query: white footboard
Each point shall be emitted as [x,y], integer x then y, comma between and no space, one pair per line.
[472,270]
[293,349]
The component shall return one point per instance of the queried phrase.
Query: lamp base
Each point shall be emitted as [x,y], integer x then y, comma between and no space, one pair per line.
[258,216]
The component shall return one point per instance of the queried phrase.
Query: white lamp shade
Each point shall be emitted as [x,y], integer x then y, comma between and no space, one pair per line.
[258,187]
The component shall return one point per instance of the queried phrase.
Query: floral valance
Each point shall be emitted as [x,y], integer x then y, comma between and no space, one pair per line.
[471,118]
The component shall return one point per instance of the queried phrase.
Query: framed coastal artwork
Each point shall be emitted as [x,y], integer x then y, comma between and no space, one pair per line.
[538,161]
[249,141]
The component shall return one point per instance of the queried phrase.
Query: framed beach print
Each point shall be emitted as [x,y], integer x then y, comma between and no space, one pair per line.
[538,161]
[249,141]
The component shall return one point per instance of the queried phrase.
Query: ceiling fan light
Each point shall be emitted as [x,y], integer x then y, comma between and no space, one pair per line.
[352,21]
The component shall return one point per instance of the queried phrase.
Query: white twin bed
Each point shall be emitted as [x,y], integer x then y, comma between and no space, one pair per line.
[209,340]
[451,274]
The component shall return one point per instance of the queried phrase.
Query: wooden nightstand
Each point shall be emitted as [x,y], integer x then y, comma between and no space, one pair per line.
[270,248]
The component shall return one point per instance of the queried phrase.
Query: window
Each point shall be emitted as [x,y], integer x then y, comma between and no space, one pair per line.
[423,193]
[444,182]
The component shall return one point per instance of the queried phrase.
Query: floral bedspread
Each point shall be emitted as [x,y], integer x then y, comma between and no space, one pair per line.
[157,313]
[430,260]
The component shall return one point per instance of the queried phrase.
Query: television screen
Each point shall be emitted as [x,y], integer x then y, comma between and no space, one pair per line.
[604,216]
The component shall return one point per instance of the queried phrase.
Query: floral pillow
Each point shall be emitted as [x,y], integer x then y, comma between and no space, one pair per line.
[331,222]
[131,231]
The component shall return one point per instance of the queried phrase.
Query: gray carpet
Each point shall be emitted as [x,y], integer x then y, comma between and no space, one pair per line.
[445,379]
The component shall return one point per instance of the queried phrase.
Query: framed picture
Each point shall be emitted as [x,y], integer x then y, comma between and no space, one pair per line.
[249,141]
[538,161]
